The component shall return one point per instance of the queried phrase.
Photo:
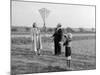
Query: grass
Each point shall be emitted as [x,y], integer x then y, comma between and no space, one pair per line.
[24,60]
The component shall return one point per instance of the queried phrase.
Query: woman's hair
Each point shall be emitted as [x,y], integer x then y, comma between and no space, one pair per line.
[34,25]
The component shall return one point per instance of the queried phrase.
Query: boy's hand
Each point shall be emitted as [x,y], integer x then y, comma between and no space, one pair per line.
[61,43]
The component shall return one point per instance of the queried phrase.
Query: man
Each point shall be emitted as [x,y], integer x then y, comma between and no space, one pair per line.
[57,39]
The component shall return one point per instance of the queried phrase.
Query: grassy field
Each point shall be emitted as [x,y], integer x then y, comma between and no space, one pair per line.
[23,59]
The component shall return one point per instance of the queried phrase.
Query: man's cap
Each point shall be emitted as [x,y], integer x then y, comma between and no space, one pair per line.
[59,25]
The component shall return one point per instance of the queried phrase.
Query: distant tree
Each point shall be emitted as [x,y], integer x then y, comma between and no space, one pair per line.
[93,29]
[27,29]
[64,30]
[49,29]
[81,30]
[69,29]
[14,29]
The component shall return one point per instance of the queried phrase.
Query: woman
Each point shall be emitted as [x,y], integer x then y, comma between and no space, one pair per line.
[36,39]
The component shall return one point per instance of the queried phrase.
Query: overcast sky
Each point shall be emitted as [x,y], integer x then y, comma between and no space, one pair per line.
[25,13]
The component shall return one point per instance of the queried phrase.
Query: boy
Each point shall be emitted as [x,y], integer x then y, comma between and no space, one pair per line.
[67,44]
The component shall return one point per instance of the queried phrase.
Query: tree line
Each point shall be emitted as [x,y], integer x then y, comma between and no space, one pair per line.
[51,30]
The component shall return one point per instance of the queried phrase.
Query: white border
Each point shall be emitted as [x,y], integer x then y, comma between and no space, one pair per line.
[5,36]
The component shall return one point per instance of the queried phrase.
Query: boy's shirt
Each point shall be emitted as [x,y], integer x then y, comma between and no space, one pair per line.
[67,43]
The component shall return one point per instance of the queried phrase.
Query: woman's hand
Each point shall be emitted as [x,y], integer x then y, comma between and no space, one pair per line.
[52,38]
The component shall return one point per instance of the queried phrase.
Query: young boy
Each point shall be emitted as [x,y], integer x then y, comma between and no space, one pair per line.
[67,44]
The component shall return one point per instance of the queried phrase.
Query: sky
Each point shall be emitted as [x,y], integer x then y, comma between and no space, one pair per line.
[75,16]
